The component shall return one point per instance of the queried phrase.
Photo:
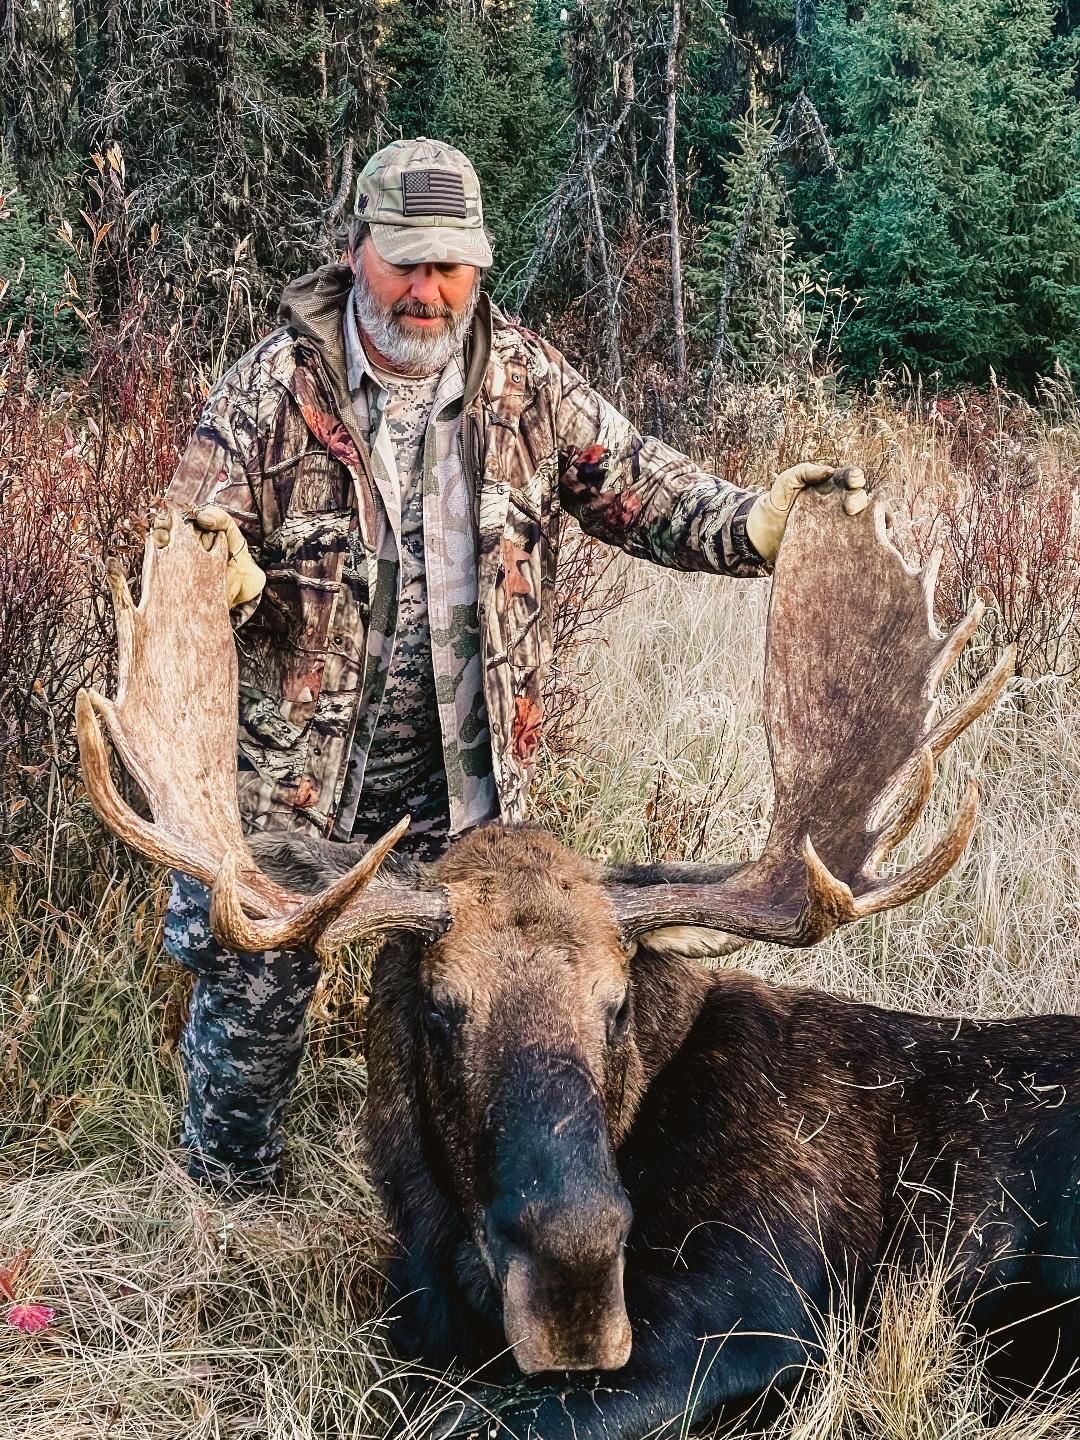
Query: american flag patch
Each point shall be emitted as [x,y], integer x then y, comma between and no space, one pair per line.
[433,192]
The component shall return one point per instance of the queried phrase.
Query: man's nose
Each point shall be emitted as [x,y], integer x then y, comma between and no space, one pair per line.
[425,285]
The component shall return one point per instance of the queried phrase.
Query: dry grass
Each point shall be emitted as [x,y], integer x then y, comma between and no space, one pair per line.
[176,1318]
[687,760]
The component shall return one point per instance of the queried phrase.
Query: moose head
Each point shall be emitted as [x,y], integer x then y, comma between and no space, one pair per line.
[506,1025]
[526,1076]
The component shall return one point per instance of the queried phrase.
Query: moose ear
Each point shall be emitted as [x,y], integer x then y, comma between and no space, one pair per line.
[689,942]
[684,942]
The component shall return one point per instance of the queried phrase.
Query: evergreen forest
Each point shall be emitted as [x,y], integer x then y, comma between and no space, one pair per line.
[679,192]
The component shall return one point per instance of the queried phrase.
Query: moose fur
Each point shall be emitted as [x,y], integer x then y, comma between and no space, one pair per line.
[704,1158]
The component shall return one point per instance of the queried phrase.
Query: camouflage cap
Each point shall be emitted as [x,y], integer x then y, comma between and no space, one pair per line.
[422,201]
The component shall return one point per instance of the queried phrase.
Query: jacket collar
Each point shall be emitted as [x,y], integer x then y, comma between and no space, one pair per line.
[314,306]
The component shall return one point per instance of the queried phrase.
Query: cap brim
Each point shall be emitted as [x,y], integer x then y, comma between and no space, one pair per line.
[431,244]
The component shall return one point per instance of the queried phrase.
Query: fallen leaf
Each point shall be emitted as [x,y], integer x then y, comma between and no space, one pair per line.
[30,1318]
[9,1274]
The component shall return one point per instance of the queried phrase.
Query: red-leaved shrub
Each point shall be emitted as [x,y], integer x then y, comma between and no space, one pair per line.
[1005,509]
[80,460]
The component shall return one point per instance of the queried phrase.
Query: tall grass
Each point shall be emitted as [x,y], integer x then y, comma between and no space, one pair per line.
[176,1317]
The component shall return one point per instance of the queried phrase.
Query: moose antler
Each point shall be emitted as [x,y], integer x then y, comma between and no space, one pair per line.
[853,664]
[854,661]
[173,723]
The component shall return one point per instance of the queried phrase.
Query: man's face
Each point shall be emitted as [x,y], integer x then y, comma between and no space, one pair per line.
[415,316]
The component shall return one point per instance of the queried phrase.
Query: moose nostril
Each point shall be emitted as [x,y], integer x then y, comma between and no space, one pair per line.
[510,1234]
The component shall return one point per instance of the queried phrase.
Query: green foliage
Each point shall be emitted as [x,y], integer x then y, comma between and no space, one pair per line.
[731,69]
[413,52]
[32,264]
[503,100]
[36,65]
[493,84]
[957,220]
[765,276]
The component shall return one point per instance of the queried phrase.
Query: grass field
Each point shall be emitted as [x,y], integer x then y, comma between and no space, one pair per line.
[177,1318]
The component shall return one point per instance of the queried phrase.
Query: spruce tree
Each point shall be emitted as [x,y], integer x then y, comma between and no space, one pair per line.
[753,216]
[956,221]
[33,287]
[503,100]
[1033,126]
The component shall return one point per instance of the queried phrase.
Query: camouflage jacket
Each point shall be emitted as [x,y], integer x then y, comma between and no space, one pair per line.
[278,445]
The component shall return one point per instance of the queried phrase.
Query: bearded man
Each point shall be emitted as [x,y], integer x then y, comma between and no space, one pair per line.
[389,469]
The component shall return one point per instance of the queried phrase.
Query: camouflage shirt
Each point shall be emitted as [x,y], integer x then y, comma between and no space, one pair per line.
[404,768]
[511,443]
[405,746]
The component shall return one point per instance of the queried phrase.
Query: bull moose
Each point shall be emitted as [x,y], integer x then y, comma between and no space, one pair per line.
[635,1179]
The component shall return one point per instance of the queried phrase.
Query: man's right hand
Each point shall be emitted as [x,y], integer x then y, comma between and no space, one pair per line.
[243,578]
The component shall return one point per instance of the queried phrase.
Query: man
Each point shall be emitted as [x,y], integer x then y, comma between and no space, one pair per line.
[389,469]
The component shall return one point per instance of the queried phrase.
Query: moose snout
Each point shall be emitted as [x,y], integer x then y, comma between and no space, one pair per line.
[557,1222]
[565,1311]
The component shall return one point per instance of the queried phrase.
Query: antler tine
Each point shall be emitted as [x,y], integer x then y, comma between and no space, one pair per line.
[959,636]
[914,797]
[975,704]
[148,838]
[123,612]
[927,871]
[304,927]
[928,577]
[914,787]
[829,902]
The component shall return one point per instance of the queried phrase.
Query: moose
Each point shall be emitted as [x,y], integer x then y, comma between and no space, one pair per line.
[618,1178]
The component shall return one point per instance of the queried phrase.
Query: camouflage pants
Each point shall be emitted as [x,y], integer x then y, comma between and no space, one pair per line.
[241,1046]
[244,1038]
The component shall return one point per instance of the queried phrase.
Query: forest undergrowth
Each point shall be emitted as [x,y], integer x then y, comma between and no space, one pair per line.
[176,1317]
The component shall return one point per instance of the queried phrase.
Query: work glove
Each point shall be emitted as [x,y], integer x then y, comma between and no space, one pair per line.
[243,578]
[768,515]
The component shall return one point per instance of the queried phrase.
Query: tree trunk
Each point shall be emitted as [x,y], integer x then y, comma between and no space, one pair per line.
[628,90]
[671,69]
[324,93]
[84,50]
[611,302]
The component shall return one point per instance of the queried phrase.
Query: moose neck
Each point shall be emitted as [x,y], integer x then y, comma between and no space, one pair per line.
[669,993]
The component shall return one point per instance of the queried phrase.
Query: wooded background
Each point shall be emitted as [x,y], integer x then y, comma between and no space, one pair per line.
[679,192]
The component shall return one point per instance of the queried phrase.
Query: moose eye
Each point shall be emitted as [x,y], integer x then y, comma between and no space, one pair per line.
[438,1019]
[618,1019]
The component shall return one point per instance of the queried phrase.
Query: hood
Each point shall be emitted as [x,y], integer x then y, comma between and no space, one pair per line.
[314,304]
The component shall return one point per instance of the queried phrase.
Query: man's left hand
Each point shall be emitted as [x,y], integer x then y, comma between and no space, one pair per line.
[768,516]
[243,578]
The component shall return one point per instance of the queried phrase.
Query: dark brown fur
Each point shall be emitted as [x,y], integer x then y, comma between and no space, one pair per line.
[775,1147]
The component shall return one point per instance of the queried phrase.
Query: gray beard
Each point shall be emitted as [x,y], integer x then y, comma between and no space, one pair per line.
[411,353]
